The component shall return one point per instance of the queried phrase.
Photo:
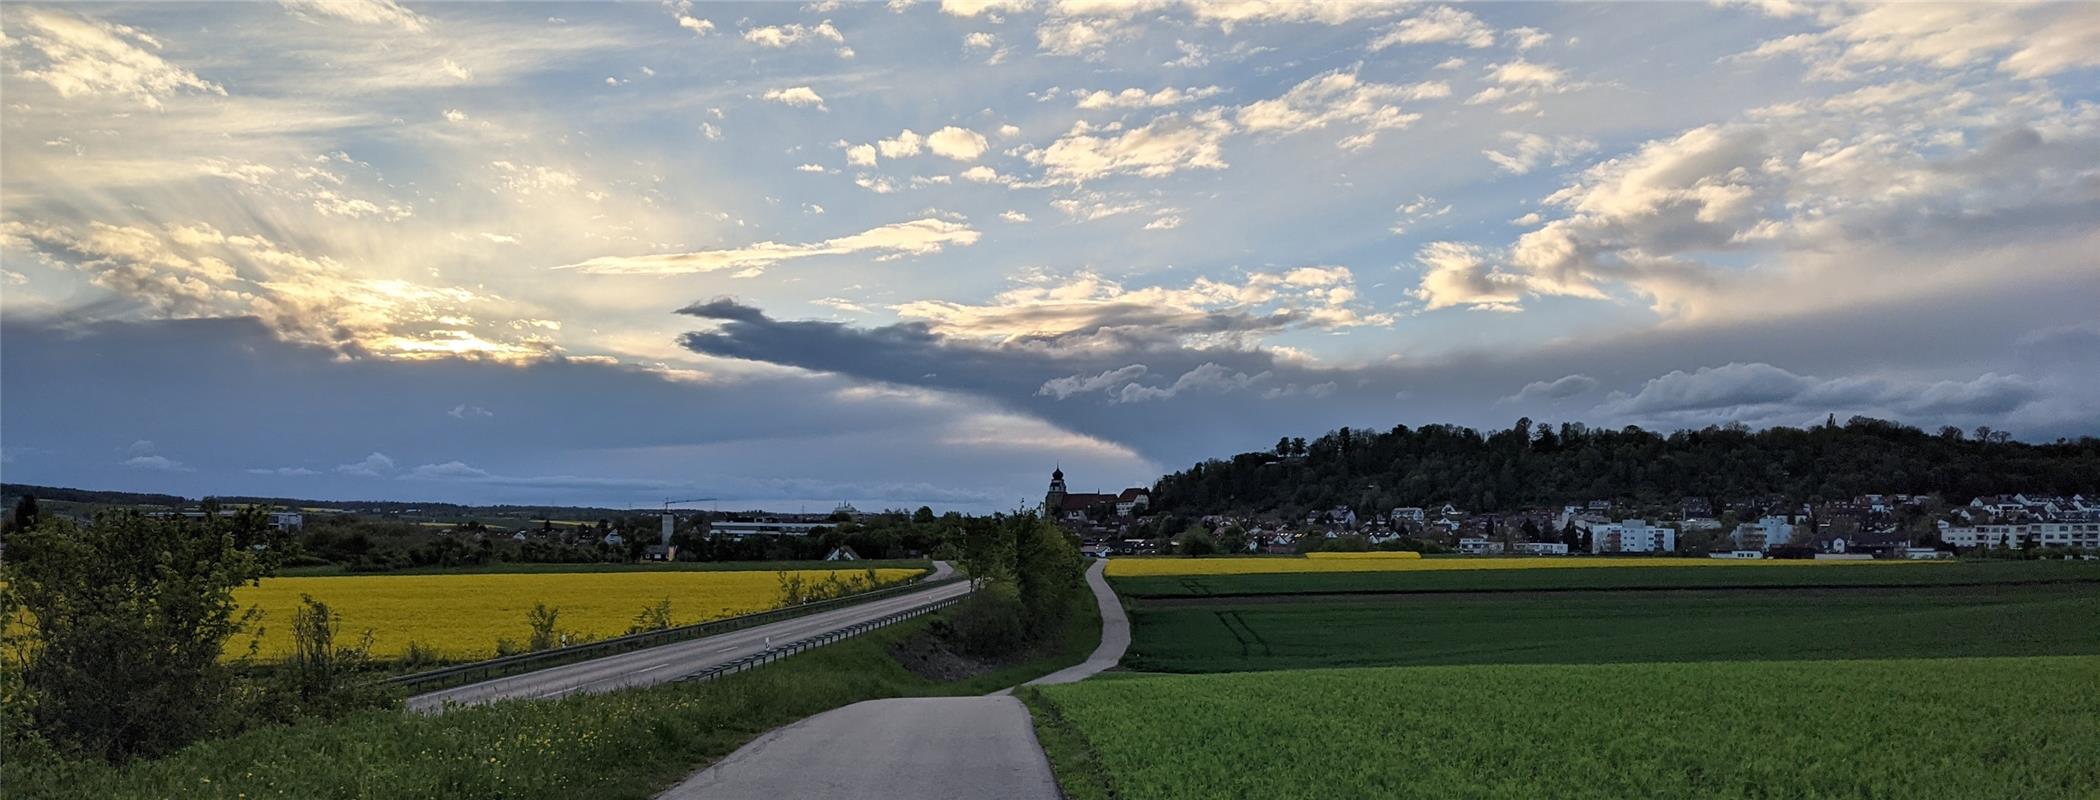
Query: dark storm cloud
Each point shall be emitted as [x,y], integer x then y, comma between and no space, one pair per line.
[226,407]
[1920,363]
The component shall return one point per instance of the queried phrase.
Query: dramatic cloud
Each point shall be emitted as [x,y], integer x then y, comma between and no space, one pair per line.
[82,56]
[917,237]
[417,228]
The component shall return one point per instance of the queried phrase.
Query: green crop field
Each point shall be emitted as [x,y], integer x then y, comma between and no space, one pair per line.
[1233,634]
[1935,728]
[1605,578]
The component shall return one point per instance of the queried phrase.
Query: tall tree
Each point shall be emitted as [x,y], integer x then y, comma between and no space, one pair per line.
[130,615]
[25,515]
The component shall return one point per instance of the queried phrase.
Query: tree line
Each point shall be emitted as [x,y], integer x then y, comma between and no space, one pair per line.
[1532,465]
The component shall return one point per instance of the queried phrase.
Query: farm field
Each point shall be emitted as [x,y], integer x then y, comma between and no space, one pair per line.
[1484,574]
[1235,634]
[1253,565]
[1881,728]
[646,566]
[461,616]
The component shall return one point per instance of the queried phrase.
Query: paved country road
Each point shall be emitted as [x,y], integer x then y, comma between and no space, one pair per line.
[923,748]
[672,661]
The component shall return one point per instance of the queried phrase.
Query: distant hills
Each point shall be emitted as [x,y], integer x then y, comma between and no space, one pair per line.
[10,491]
[1531,465]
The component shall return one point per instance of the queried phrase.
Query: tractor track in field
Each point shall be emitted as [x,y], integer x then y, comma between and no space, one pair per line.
[1235,625]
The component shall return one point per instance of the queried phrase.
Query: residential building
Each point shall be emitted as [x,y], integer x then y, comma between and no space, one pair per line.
[1541,548]
[1132,502]
[1632,536]
[2015,535]
[1479,547]
[1764,534]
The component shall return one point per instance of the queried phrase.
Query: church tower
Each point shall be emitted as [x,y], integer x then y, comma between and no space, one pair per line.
[1055,500]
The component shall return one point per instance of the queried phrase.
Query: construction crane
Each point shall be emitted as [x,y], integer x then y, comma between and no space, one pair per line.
[671,523]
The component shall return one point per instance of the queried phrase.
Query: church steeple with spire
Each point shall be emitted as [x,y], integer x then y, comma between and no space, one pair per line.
[1054,501]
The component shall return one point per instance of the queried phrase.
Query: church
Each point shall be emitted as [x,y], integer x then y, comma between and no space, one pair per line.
[1062,504]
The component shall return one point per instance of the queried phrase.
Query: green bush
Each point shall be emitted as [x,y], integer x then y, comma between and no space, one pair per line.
[989,624]
[130,615]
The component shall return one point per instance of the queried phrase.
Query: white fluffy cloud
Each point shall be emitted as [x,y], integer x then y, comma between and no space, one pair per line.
[782,36]
[1458,274]
[796,96]
[1139,98]
[1339,98]
[1438,25]
[1168,144]
[2023,40]
[960,144]
[1204,312]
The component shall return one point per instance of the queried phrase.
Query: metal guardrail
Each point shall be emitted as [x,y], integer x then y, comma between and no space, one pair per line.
[773,654]
[635,641]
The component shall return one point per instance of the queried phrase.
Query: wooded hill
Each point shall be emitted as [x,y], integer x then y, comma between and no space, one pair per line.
[1538,465]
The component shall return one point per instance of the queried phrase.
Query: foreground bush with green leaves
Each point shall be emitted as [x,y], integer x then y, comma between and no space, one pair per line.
[1929,728]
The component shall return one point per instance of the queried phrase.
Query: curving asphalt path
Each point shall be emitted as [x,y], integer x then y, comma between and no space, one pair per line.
[925,748]
[1115,633]
[673,661]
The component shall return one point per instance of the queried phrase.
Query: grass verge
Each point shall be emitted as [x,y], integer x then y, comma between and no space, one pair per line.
[627,744]
[1934,728]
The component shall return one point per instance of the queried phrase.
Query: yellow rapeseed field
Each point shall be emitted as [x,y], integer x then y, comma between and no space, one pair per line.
[1366,554]
[462,616]
[1251,565]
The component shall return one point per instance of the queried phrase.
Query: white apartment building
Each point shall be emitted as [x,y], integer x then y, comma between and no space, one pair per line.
[1632,536]
[1764,534]
[1479,547]
[2043,534]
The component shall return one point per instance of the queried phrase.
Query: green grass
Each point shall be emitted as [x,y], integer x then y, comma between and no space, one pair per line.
[1603,578]
[627,744]
[1794,624]
[1952,728]
[645,566]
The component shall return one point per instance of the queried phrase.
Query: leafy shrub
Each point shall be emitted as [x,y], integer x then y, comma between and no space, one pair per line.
[989,624]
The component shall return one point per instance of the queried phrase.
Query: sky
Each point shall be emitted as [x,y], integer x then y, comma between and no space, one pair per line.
[788,255]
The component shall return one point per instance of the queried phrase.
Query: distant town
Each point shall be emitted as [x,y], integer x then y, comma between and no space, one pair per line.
[1862,527]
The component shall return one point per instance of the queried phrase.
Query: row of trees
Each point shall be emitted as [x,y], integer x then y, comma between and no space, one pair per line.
[1029,576]
[1531,464]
